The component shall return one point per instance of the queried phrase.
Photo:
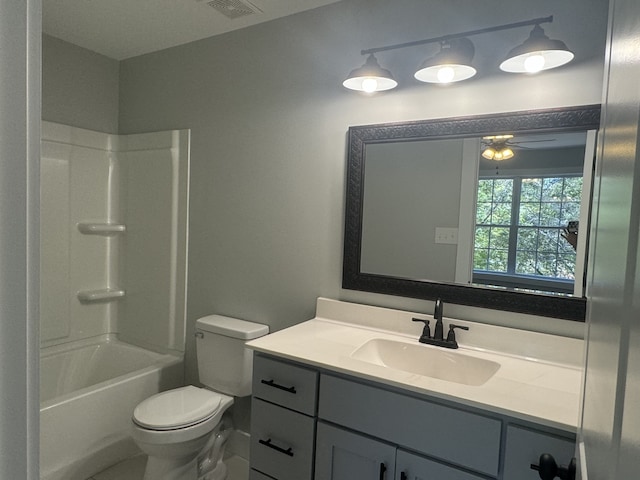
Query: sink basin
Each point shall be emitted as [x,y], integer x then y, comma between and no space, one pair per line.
[427,361]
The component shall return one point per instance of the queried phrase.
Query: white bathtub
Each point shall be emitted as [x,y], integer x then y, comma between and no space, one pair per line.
[88,392]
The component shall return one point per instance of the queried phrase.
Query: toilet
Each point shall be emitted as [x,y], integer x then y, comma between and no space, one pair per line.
[183,431]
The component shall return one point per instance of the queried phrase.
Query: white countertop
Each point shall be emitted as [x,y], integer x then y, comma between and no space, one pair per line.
[532,389]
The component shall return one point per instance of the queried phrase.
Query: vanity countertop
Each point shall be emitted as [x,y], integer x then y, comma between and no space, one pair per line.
[540,390]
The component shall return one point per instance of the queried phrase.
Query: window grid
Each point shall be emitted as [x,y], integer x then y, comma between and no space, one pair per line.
[540,207]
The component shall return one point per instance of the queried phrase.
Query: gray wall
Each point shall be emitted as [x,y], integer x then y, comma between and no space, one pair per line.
[269,120]
[79,87]
[411,188]
[19,242]
[610,426]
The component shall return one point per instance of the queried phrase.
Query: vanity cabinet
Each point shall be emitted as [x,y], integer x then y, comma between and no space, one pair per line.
[283,420]
[450,434]
[524,446]
[344,455]
[347,428]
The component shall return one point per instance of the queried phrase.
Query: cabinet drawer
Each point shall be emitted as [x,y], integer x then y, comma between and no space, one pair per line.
[255,475]
[524,448]
[282,442]
[414,467]
[285,384]
[456,436]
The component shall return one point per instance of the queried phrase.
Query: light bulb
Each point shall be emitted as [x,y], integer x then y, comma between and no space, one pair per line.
[369,85]
[446,74]
[498,156]
[534,63]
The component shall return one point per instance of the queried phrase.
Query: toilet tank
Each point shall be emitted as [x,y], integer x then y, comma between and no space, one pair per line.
[225,364]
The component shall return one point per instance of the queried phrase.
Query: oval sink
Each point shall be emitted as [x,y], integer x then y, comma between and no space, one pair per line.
[427,361]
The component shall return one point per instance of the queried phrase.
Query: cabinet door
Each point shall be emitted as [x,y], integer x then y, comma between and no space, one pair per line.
[455,436]
[342,455]
[524,447]
[414,467]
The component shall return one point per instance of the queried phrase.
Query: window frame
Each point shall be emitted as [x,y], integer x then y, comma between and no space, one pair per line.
[511,279]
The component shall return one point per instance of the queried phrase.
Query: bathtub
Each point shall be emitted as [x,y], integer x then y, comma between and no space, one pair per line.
[88,390]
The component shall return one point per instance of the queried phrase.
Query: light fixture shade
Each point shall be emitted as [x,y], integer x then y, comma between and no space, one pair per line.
[537,53]
[497,148]
[451,64]
[489,153]
[498,152]
[370,78]
[507,153]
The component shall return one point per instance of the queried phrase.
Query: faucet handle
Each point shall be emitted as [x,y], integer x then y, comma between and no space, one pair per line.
[451,336]
[426,332]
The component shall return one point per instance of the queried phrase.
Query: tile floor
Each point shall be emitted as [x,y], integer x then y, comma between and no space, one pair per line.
[133,469]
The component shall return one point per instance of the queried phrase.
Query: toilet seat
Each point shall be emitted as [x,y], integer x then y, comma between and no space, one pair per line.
[177,409]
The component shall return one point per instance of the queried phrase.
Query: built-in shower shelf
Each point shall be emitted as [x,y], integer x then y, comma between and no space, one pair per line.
[101,228]
[104,295]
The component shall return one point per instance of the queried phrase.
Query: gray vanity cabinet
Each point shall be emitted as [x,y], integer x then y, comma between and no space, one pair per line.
[282,420]
[344,455]
[449,434]
[410,466]
[524,446]
[316,425]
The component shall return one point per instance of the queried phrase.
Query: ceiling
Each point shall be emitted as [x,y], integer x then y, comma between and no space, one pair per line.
[121,29]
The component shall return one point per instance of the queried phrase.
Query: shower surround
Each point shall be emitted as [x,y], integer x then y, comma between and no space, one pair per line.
[114,213]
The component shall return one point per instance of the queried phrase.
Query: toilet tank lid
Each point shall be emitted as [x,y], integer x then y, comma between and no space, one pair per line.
[231,327]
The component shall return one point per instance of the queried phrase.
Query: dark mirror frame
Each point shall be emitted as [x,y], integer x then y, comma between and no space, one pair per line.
[524,122]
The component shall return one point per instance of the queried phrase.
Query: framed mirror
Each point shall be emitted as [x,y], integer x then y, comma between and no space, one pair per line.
[431,213]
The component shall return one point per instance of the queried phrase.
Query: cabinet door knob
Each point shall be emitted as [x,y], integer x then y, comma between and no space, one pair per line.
[403,476]
[548,469]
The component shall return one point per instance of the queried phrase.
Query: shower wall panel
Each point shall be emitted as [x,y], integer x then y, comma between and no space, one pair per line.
[114,236]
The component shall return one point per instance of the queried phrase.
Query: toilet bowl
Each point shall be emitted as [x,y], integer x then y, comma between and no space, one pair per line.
[183,431]
[176,429]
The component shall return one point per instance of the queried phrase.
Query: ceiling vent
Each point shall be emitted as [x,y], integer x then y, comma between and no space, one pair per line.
[234,8]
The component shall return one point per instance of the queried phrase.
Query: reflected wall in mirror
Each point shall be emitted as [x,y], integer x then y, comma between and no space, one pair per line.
[429,216]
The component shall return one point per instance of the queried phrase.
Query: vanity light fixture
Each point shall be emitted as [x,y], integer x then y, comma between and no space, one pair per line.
[453,62]
[370,77]
[537,53]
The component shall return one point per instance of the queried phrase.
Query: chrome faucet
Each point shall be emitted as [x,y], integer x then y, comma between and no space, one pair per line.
[438,334]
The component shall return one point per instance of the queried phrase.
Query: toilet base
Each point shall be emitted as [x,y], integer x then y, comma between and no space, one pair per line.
[203,464]
[170,469]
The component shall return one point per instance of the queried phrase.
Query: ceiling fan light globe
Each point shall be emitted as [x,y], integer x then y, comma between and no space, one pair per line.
[489,153]
[507,153]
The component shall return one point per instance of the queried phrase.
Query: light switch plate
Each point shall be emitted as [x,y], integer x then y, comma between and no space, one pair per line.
[447,236]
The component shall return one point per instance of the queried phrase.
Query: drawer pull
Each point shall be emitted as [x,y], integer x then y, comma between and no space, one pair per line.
[267,443]
[383,469]
[403,476]
[273,384]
